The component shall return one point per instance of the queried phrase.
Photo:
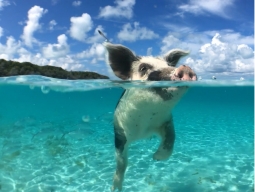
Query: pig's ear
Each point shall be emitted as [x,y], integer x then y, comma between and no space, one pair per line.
[173,56]
[120,59]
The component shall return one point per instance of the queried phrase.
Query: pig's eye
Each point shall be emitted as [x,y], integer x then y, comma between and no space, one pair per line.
[143,70]
[144,67]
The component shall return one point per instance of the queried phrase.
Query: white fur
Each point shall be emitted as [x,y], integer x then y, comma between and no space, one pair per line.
[157,63]
[141,112]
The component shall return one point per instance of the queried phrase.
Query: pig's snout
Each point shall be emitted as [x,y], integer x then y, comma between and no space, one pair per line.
[184,73]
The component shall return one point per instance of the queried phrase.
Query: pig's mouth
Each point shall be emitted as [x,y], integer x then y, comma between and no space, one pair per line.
[168,93]
[182,73]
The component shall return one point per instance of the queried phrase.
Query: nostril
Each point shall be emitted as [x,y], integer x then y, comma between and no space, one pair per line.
[190,75]
[180,74]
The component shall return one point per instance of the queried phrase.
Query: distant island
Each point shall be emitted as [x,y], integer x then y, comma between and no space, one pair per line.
[13,68]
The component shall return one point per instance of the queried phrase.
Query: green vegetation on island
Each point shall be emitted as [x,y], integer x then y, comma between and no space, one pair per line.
[13,68]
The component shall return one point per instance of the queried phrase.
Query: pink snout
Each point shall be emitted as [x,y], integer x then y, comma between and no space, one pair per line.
[184,73]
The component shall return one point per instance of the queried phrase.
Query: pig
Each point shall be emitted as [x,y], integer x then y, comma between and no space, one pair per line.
[144,112]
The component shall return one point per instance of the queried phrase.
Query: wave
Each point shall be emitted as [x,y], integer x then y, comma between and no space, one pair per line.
[63,85]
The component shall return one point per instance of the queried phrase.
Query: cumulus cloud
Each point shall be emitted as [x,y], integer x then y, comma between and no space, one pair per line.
[13,50]
[170,42]
[231,36]
[26,56]
[219,57]
[57,50]
[80,26]
[96,52]
[245,51]
[198,7]
[76,3]
[67,62]
[4,3]
[52,24]
[10,49]
[34,14]
[128,33]
[192,41]
[53,54]
[123,8]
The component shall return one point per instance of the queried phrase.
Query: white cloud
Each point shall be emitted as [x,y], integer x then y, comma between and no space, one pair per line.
[34,14]
[216,7]
[245,51]
[4,3]
[96,52]
[57,50]
[169,42]
[67,63]
[80,26]
[191,40]
[222,53]
[123,8]
[94,55]
[10,49]
[219,57]
[52,24]
[149,51]
[53,54]
[137,33]
[26,56]
[14,51]
[76,3]
[231,36]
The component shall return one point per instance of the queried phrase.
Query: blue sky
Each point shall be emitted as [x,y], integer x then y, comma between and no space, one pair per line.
[219,34]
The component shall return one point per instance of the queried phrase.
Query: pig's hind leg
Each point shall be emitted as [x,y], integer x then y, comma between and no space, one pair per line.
[167,135]
[121,157]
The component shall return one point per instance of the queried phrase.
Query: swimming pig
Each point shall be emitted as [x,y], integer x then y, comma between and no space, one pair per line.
[143,112]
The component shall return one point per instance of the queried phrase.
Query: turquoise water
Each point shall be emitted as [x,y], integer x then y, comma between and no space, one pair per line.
[57,135]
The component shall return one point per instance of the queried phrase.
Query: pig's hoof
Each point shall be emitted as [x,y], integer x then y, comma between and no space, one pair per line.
[117,184]
[161,155]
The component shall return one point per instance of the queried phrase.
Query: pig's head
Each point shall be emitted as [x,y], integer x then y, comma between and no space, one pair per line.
[126,65]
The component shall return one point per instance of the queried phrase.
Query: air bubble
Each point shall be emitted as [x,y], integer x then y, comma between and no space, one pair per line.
[45,89]
[31,86]
[85,118]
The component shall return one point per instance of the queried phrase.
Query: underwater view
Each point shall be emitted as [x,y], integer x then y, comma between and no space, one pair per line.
[57,135]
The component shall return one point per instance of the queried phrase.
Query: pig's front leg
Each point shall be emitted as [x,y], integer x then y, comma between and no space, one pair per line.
[167,134]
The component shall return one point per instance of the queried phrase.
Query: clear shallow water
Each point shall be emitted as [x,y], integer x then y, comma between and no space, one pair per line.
[57,135]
